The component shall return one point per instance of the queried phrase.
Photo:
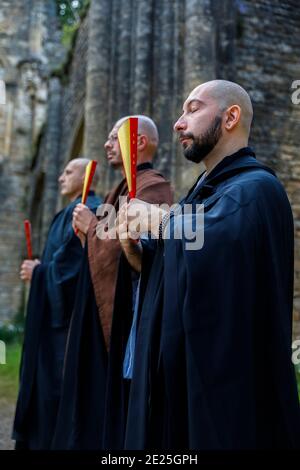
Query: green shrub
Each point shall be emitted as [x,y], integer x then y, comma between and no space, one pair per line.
[10,332]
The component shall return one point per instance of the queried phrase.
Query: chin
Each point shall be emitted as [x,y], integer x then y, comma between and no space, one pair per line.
[185,145]
[115,165]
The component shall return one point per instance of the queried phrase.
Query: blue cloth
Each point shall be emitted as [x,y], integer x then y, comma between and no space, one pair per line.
[130,348]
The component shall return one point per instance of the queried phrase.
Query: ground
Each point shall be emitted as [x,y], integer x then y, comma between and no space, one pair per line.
[6,417]
[8,392]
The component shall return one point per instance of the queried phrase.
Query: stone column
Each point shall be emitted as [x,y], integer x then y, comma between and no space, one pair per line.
[142,50]
[178,97]
[164,81]
[226,17]
[97,81]
[199,67]
[51,158]
[120,69]
[124,58]
[199,44]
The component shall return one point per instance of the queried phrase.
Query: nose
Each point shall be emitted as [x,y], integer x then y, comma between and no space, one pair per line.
[61,178]
[180,124]
[108,145]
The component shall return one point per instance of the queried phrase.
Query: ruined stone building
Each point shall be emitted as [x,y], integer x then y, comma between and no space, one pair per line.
[133,56]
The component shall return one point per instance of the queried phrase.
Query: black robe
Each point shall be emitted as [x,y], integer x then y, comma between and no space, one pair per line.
[213,365]
[80,417]
[49,309]
[118,388]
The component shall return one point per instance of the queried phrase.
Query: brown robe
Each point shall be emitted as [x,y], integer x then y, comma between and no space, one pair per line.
[104,255]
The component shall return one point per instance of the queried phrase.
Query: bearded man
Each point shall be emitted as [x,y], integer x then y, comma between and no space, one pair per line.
[212,365]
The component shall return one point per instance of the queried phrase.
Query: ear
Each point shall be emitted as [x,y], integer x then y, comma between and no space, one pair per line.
[232,117]
[82,177]
[142,142]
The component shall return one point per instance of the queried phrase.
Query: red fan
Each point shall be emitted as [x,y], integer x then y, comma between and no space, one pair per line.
[27,229]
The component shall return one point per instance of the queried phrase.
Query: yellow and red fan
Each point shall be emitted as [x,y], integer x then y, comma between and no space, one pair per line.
[88,178]
[127,135]
[89,174]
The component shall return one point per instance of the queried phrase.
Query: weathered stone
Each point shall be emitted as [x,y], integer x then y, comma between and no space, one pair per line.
[135,57]
[29,49]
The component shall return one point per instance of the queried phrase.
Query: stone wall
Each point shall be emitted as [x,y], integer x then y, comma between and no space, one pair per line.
[266,58]
[158,51]
[144,57]
[74,90]
[29,48]
[256,45]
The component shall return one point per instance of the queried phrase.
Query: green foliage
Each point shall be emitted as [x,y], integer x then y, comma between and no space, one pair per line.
[70,13]
[68,34]
[11,331]
[9,372]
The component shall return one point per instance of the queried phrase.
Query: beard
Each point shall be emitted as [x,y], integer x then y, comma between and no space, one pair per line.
[116,161]
[205,143]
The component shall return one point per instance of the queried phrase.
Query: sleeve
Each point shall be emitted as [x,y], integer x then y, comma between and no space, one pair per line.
[158,192]
[61,276]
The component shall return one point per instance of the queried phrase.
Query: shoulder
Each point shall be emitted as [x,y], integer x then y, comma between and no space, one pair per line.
[256,184]
[251,199]
[152,187]
[67,212]
[150,176]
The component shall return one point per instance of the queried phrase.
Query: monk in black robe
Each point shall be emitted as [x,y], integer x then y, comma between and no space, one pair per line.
[212,366]
[94,400]
[50,306]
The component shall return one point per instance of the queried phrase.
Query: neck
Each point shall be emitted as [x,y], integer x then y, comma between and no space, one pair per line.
[74,196]
[144,158]
[139,162]
[221,151]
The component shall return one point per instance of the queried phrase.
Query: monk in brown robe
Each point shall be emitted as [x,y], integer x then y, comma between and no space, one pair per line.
[151,186]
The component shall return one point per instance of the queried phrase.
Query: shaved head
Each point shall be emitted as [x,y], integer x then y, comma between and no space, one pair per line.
[72,178]
[79,163]
[227,94]
[147,127]
[215,122]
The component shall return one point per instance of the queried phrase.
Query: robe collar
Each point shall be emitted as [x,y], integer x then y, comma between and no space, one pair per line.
[91,193]
[144,166]
[240,161]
